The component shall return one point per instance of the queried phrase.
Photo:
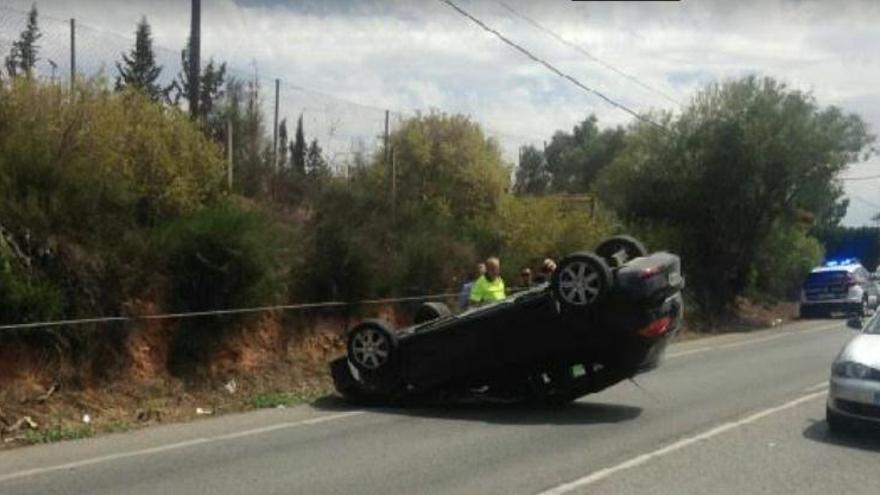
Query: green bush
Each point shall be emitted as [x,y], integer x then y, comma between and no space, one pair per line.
[22,298]
[530,229]
[783,262]
[225,257]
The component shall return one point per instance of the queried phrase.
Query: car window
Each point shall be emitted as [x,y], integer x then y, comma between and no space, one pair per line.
[825,278]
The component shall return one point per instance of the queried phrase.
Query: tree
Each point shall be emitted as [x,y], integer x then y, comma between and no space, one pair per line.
[532,176]
[574,159]
[138,69]
[211,84]
[446,163]
[298,149]
[240,106]
[316,166]
[22,56]
[741,162]
[282,144]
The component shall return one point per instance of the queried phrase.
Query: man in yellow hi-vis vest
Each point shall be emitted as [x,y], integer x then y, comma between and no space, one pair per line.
[489,288]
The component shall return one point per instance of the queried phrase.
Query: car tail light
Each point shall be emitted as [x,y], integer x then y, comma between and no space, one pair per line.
[650,272]
[656,327]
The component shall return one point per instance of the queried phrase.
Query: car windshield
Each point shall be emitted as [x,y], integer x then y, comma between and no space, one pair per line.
[826,278]
[873,326]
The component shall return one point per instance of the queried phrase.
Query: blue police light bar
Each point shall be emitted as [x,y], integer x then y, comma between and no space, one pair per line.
[841,262]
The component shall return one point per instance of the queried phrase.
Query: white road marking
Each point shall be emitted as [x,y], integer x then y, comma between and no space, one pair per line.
[751,341]
[819,386]
[176,446]
[642,459]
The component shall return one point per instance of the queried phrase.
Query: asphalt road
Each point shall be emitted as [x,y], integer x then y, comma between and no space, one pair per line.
[733,414]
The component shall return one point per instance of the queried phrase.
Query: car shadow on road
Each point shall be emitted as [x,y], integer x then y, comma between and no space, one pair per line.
[576,413]
[863,437]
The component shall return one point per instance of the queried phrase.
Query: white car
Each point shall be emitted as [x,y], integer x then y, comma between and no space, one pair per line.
[854,395]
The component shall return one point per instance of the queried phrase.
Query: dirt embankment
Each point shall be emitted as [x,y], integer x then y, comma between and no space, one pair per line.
[76,382]
[62,384]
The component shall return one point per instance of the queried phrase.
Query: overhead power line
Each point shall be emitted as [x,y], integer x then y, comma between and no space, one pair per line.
[587,54]
[551,67]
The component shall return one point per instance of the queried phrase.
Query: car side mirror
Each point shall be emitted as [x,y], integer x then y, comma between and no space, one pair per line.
[855,323]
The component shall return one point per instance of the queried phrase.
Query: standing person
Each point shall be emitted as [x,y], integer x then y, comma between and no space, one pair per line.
[465,293]
[490,287]
[525,277]
[547,269]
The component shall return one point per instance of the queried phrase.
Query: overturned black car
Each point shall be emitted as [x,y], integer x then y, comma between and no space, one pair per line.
[604,316]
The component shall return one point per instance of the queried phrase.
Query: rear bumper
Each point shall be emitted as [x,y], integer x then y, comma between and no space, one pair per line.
[656,347]
[855,399]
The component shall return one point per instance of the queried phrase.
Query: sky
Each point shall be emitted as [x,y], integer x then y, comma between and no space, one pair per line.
[341,63]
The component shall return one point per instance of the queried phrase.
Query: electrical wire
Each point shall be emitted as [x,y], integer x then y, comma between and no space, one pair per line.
[587,54]
[551,67]
[219,312]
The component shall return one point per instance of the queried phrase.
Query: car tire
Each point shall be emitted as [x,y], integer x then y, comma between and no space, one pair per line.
[372,349]
[349,388]
[431,311]
[619,249]
[837,424]
[580,280]
[807,313]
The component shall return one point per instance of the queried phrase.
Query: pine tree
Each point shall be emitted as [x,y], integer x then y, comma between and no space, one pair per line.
[138,70]
[282,144]
[298,149]
[211,81]
[316,166]
[22,56]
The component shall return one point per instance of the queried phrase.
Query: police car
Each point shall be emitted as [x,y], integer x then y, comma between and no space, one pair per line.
[839,286]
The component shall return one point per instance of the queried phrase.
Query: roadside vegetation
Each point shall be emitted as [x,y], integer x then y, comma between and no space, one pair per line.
[116,200]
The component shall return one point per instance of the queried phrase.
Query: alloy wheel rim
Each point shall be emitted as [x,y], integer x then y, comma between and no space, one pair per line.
[370,348]
[579,283]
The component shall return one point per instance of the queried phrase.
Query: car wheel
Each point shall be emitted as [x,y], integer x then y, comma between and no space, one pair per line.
[349,388]
[619,249]
[807,313]
[580,280]
[431,311]
[372,348]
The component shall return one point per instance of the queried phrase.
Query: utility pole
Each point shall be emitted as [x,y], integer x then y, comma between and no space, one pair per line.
[72,56]
[275,128]
[195,64]
[229,152]
[386,136]
[393,186]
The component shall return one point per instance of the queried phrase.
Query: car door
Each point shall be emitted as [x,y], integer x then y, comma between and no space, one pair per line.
[873,288]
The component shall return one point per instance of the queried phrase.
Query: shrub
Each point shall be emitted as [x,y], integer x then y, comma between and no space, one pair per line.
[22,298]
[532,228]
[223,257]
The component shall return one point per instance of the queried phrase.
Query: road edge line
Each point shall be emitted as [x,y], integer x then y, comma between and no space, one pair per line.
[175,446]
